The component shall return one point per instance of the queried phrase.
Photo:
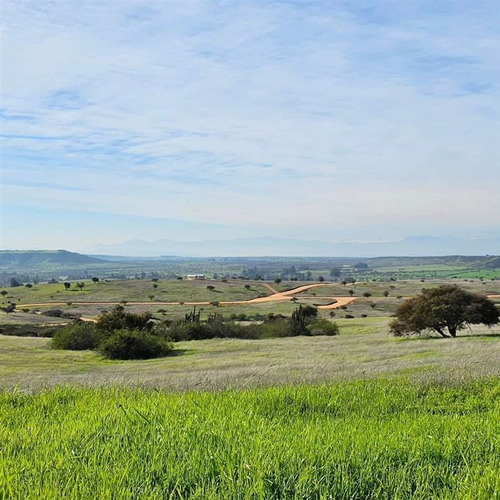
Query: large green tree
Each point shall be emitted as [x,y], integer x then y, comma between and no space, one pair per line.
[445,309]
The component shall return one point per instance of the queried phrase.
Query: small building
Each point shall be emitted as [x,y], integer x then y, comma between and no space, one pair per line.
[195,276]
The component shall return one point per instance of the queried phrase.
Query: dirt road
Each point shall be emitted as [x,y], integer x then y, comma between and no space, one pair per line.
[274,297]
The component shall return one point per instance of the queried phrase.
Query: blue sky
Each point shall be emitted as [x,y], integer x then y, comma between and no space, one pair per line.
[332,120]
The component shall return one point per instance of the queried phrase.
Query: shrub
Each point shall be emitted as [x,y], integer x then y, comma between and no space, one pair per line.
[323,327]
[53,313]
[215,329]
[118,319]
[272,329]
[77,337]
[135,344]
[189,331]
[70,315]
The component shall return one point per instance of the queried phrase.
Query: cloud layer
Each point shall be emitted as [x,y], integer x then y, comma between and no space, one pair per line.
[267,113]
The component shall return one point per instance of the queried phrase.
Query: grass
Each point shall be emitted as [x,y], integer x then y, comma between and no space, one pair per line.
[364,349]
[365,439]
[361,415]
[192,291]
[136,290]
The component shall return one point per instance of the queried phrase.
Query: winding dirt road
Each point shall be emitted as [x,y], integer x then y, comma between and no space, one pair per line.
[275,296]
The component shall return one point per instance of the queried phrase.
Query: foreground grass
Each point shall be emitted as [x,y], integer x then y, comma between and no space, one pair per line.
[363,440]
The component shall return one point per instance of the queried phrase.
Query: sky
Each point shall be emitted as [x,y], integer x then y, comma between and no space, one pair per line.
[193,119]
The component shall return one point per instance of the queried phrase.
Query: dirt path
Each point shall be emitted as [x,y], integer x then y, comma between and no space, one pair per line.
[274,297]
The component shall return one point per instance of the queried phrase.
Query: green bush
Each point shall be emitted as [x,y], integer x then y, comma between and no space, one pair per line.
[135,344]
[271,327]
[214,329]
[118,319]
[323,327]
[275,328]
[76,337]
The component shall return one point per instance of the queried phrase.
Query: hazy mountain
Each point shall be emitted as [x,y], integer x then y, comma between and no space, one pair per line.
[410,246]
[35,258]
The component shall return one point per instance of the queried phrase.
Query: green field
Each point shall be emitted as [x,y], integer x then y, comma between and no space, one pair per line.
[367,439]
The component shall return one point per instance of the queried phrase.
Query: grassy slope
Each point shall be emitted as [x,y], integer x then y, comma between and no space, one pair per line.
[418,419]
[186,291]
[363,349]
[367,439]
[136,290]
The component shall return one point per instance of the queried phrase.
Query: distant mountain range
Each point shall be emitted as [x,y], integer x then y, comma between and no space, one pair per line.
[274,247]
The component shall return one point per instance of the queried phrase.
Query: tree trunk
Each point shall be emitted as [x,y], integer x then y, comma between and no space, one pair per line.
[441,332]
[453,331]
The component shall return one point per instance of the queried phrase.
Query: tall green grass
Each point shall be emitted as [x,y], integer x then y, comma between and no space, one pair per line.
[359,440]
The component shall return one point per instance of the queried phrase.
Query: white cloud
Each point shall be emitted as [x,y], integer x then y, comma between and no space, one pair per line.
[214,111]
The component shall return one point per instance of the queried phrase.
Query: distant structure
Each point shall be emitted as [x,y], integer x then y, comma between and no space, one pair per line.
[195,276]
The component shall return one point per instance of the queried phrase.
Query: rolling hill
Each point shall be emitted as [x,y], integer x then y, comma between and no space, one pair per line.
[36,258]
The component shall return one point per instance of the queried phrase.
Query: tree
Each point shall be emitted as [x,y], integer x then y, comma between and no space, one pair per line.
[447,307]
[80,285]
[247,287]
[321,278]
[28,285]
[210,287]
[67,285]
[351,292]
[4,293]
[277,281]
[361,265]
[335,272]
[386,293]
[367,295]
[95,280]
[14,282]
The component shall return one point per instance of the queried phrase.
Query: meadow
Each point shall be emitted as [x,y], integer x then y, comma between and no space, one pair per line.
[364,349]
[364,439]
[361,415]
[172,299]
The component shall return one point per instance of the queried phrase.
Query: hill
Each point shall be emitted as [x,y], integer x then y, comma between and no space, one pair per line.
[35,258]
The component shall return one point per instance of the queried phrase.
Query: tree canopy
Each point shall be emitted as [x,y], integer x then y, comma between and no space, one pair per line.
[447,307]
